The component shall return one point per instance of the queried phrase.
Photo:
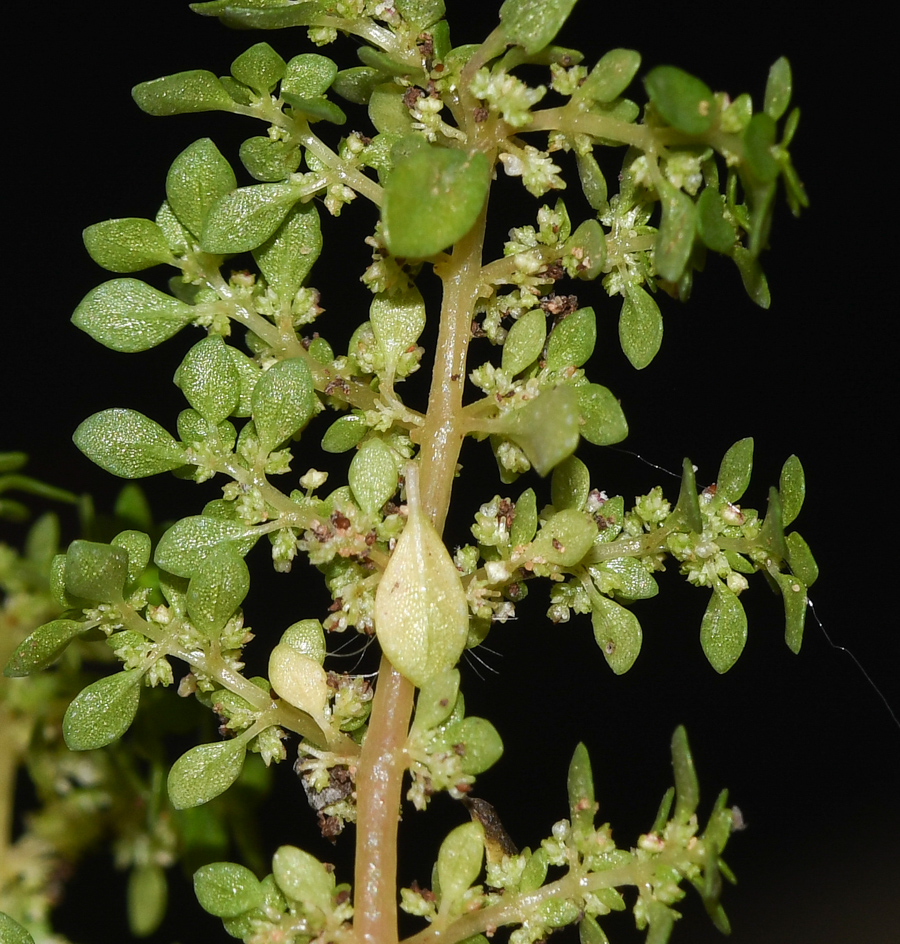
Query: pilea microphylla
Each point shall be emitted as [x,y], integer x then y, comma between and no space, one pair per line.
[438,127]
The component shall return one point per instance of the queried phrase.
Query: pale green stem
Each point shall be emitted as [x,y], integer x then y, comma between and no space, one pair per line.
[379,781]
[515,908]
[383,761]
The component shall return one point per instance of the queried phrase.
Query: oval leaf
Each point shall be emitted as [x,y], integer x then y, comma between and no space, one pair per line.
[459,863]
[129,315]
[640,327]
[42,648]
[284,400]
[204,772]
[432,199]
[532,24]
[186,545]
[127,245]
[209,379]
[226,889]
[617,632]
[572,341]
[602,420]
[217,589]
[734,472]
[524,342]
[792,489]
[198,177]
[96,571]
[723,631]
[247,217]
[128,444]
[181,93]
[103,711]
[302,877]
[373,475]
[286,258]
[682,100]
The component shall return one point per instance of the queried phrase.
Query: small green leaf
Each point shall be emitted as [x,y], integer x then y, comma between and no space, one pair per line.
[778,89]
[138,546]
[147,897]
[640,327]
[589,932]
[801,560]
[260,68]
[204,772]
[793,593]
[42,647]
[302,877]
[309,75]
[198,177]
[344,433]
[675,238]
[269,160]
[226,889]
[755,283]
[566,538]
[184,547]
[432,199]
[723,631]
[524,342]
[526,519]
[315,109]
[397,319]
[617,632]
[570,484]
[459,863]
[217,588]
[735,470]
[602,420]
[546,428]
[373,475]
[532,24]
[96,571]
[771,534]
[593,183]
[759,139]
[587,247]
[127,245]
[245,218]
[626,577]
[572,341]
[687,786]
[713,228]
[436,700]
[611,76]
[284,401]
[682,100]
[299,679]
[129,315]
[287,257]
[580,787]
[357,84]
[184,92]
[421,13]
[792,489]
[128,444]
[477,742]
[209,379]
[686,514]
[102,712]
[11,932]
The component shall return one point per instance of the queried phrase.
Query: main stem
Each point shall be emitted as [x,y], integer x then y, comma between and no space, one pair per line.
[382,762]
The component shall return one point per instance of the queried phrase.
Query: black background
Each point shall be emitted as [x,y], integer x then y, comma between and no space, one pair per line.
[809,752]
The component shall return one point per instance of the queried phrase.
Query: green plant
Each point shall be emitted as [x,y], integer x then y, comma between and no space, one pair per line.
[699,175]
